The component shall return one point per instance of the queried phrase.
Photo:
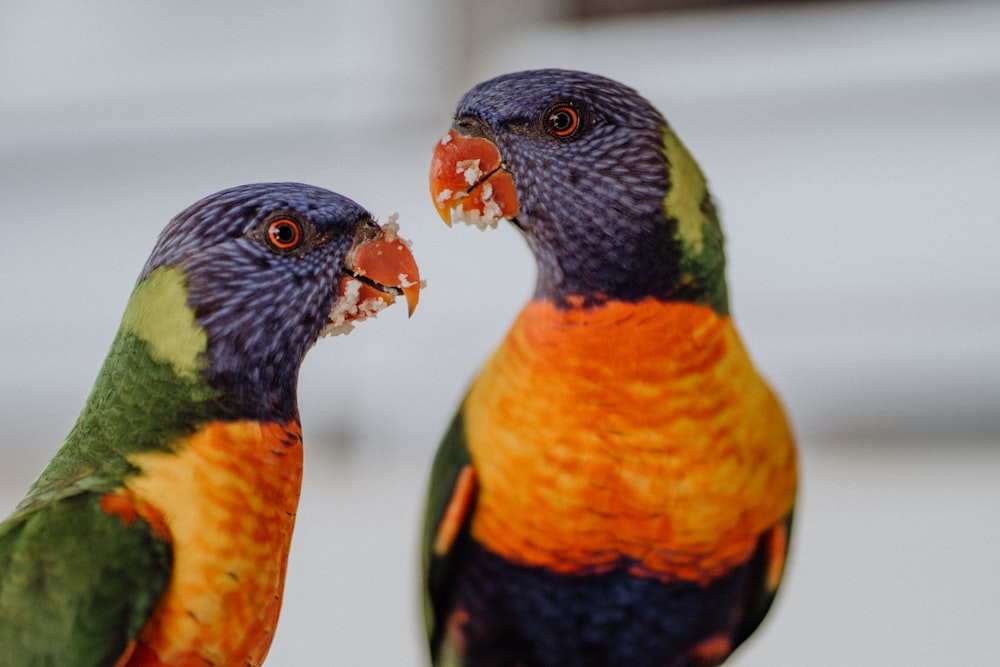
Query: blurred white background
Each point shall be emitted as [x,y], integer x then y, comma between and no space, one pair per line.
[854,149]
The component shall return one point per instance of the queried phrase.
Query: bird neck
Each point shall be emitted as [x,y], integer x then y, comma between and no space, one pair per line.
[666,244]
[577,270]
[151,391]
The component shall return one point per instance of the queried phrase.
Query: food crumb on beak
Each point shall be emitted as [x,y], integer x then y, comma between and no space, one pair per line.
[470,183]
[350,308]
[375,273]
[390,230]
[443,197]
[470,171]
[487,219]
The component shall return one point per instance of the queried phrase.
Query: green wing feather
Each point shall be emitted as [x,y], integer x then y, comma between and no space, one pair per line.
[452,456]
[76,584]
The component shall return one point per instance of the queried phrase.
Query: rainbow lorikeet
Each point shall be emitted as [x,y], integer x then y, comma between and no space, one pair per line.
[158,535]
[618,483]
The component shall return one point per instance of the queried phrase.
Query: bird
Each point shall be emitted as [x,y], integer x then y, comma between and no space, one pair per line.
[618,483]
[158,534]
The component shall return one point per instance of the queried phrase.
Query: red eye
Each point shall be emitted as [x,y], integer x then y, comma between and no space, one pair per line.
[562,121]
[284,234]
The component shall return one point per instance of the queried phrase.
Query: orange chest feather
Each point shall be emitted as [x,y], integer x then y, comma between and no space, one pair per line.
[634,435]
[228,497]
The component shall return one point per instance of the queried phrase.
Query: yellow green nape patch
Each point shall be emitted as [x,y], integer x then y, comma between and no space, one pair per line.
[689,205]
[686,194]
[158,314]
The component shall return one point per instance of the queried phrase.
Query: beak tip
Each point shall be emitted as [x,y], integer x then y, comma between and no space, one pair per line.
[442,208]
[412,297]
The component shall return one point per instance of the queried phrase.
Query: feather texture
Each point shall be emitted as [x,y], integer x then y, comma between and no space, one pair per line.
[617,486]
[158,535]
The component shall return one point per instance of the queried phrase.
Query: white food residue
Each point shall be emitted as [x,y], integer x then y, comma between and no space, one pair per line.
[490,215]
[470,170]
[390,230]
[349,308]
[488,219]
[443,197]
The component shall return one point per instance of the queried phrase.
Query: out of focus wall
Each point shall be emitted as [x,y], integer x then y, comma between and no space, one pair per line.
[853,149]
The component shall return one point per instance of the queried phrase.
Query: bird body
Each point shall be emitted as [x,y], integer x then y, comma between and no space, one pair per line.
[573,479]
[158,535]
[617,485]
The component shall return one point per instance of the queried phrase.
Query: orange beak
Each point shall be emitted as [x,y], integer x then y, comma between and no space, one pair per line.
[469,182]
[377,270]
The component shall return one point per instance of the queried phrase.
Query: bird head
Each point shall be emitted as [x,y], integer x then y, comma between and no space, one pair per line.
[609,200]
[242,283]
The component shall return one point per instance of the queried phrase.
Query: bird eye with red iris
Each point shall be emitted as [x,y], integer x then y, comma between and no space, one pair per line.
[562,121]
[284,234]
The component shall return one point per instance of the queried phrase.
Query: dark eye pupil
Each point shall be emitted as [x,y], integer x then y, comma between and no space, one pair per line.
[561,121]
[284,233]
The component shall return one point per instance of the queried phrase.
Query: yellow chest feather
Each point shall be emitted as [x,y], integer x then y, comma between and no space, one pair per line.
[228,496]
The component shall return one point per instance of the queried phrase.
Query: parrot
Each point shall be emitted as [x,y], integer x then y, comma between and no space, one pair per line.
[618,483]
[158,534]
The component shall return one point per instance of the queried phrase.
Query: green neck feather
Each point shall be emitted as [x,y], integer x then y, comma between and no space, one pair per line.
[148,392]
[689,204]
